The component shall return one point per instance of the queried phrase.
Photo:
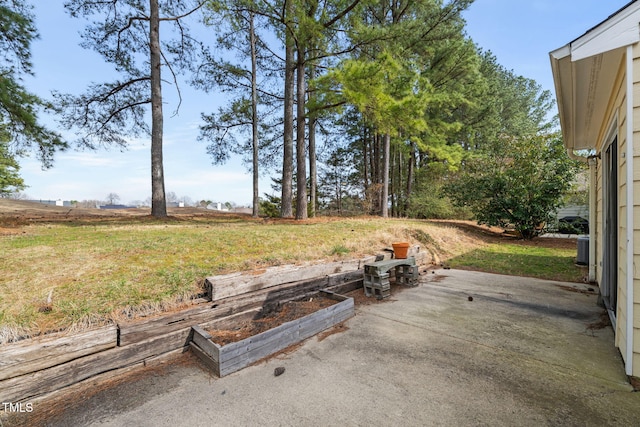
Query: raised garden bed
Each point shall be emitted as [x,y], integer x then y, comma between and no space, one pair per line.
[230,357]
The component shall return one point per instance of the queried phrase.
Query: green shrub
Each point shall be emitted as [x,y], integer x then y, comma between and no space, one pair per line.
[270,207]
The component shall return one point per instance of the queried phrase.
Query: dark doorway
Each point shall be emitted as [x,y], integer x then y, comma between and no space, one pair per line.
[610,235]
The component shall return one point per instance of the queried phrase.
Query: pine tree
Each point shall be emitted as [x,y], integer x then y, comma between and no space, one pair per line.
[20,130]
[127,34]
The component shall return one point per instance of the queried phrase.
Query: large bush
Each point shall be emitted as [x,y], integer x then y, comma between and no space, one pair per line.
[516,182]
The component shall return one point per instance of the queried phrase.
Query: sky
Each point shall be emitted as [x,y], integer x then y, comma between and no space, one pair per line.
[520,33]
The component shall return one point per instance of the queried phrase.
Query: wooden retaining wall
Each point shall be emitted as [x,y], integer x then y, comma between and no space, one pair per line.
[36,367]
[29,386]
[220,287]
[34,355]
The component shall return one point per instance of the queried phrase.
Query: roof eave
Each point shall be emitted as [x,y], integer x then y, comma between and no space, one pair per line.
[581,60]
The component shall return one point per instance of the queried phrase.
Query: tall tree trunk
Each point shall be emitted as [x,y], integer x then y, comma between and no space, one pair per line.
[410,174]
[340,196]
[372,171]
[398,185]
[254,115]
[289,84]
[313,167]
[391,194]
[400,197]
[393,182]
[158,200]
[365,159]
[301,149]
[313,170]
[375,170]
[385,175]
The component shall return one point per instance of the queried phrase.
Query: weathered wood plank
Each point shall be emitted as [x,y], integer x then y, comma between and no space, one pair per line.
[332,295]
[278,294]
[205,358]
[246,359]
[232,321]
[342,278]
[325,320]
[159,320]
[254,343]
[45,381]
[36,354]
[348,286]
[115,374]
[140,330]
[311,329]
[220,287]
[203,340]
[144,329]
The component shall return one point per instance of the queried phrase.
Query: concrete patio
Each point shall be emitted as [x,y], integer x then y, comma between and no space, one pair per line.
[462,348]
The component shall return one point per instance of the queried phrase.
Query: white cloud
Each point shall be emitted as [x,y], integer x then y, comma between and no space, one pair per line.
[85,160]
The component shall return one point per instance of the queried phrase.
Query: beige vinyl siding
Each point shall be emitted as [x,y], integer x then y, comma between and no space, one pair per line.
[621,312]
[616,110]
[621,317]
[596,95]
[636,210]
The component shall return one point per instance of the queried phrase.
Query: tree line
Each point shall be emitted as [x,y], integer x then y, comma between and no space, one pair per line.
[369,106]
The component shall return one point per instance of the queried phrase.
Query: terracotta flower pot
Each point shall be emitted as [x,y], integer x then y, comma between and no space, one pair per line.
[400,249]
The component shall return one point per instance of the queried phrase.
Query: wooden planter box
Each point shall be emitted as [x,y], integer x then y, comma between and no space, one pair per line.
[232,357]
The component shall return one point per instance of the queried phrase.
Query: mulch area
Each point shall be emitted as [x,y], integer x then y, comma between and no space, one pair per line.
[293,310]
[271,318]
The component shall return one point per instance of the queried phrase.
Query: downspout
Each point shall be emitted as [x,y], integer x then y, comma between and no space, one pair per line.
[574,156]
[629,188]
[592,210]
[593,213]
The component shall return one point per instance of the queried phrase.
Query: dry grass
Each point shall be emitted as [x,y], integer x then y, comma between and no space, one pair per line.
[63,270]
[59,273]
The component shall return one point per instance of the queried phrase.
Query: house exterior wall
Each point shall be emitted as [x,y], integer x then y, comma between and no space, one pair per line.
[636,211]
[617,111]
[621,317]
[617,114]
[597,79]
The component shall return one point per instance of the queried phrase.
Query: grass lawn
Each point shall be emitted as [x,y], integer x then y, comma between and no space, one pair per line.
[521,260]
[103,270]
